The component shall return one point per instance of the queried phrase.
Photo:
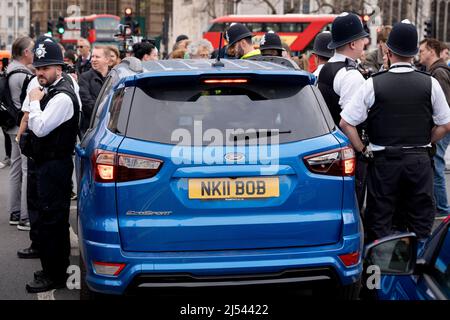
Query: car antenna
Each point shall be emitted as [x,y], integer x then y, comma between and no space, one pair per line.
[219,63]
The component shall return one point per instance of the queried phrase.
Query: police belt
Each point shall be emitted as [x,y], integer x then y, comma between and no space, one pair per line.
[394,152]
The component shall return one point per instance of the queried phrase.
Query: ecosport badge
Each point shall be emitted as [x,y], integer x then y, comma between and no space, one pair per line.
[149,213]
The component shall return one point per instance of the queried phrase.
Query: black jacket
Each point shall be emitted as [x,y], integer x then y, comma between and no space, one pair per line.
[90,83]
[82,68]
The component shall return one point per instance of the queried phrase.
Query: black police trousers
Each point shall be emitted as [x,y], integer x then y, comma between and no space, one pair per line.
[361,181]
[33,203]
[49,187]
[403,180]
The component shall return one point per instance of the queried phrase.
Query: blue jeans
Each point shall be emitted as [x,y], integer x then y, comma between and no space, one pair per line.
[440,190]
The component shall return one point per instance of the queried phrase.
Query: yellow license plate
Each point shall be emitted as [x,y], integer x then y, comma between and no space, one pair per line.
[239,188]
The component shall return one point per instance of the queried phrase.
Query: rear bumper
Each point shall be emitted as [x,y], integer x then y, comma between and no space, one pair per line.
[221,268]
[295,278]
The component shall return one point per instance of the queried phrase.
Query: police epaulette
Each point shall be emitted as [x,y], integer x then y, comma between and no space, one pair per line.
[350,64]
[378,73]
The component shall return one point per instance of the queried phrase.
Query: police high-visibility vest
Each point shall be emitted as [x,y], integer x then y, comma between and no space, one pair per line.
[252,54]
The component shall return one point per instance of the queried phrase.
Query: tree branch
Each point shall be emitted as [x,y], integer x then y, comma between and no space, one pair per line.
[271,6]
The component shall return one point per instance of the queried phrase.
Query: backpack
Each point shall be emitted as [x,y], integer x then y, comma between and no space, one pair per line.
[10,116]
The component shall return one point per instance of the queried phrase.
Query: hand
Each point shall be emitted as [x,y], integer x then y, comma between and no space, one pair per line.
[36,94]
[367,153]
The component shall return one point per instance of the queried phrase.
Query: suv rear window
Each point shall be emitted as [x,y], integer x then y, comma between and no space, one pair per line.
[285,104]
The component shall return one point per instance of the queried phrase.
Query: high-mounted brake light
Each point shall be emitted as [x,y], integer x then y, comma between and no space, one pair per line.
[224,81]
[112,167]
[339,162]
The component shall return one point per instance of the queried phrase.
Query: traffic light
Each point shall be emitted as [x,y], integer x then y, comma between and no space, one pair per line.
[60,26]
[32,31]
[135,28]
[428,29]
[128,17]
[365,18]
[50,27]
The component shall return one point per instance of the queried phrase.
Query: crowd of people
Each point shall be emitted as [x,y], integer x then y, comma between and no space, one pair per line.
[392,113]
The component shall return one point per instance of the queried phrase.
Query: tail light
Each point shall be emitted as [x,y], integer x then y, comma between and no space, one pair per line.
[112,167]
[338,162]
[350,259]
[108,269]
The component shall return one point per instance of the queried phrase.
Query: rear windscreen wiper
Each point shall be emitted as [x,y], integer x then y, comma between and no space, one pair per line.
[267,133]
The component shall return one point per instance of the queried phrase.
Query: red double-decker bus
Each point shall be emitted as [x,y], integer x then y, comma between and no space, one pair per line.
[297,30]
[96,28]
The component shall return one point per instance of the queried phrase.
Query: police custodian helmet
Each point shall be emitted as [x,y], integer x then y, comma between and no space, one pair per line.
[270,40]
[347,27]
[403,39]
[236,32]
[47,53]
[320,46]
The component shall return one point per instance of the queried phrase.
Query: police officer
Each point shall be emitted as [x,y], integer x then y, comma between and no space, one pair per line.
[406,110]
[49,143]
[270,45]
[339,79]
[240,41]
[320,50]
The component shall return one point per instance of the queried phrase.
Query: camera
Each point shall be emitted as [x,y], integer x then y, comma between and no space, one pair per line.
[125,39]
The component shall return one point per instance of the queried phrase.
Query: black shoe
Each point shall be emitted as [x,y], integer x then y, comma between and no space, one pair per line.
[44,284]
[14,218]
[28,253]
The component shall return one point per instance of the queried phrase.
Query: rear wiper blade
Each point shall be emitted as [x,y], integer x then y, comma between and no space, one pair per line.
[268,133]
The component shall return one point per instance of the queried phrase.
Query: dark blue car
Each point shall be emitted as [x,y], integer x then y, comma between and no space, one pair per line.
[409,273]
[193,174]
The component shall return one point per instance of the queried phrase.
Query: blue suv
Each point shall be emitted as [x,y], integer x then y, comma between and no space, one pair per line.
[196,174]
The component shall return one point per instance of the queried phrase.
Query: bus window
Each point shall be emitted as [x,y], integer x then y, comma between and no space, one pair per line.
[327,27]
[272,26]
[218,27]
[293,27]
[255,27]
[106,24]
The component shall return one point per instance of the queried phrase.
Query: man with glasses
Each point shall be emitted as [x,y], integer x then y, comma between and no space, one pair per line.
[83,62]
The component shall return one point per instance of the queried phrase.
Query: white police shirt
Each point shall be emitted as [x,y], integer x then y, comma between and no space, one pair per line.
[347,82]
[34,83]
[357,111]
[58,110]
[317,72]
